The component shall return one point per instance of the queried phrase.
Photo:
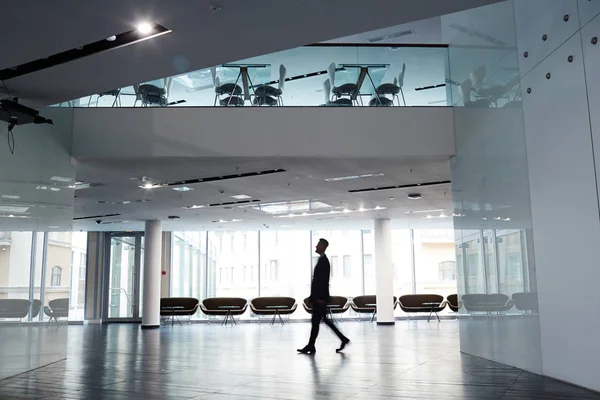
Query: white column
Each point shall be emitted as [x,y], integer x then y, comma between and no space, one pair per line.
[384,271]
[152,275]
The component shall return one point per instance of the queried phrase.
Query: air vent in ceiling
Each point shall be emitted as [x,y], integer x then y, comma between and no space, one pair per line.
[414,185]
[391,36]
[221,178]
[95,217]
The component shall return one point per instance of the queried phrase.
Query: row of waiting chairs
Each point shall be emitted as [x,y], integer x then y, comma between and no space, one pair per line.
[367,304]
[19,309]
[277,306]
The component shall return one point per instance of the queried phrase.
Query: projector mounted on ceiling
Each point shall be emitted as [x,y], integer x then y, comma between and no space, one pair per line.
[16,114]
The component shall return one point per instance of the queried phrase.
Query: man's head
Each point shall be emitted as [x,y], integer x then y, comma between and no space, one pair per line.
[322,246]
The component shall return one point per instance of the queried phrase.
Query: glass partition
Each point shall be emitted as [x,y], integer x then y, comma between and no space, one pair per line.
[316,75]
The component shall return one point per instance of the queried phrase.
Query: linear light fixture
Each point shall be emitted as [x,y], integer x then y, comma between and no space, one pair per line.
[100,46]
[423,211]
[350,177]
[337,211]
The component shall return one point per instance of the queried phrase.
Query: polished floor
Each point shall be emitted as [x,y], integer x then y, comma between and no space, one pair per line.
[411,360]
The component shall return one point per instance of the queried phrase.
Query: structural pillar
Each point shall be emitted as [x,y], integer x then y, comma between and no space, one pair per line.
[152,275]
[384,271]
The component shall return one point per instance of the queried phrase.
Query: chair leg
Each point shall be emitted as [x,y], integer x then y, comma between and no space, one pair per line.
[403,99]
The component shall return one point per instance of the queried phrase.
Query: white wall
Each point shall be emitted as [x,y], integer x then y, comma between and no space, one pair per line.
[262,132]
[563,182]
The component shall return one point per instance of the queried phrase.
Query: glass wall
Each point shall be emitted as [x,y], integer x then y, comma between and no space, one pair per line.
[226,264]
[189,272]
[235,258]
[41,267]
[304,76]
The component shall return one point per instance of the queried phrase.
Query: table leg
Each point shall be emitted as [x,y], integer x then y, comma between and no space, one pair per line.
[234,85]
[373,316]
[274,316]
[430,312]
[252,86]
[361,78]
[244,73]
[374,88]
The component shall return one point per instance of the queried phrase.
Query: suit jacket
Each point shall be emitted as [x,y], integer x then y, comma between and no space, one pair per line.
[319,289]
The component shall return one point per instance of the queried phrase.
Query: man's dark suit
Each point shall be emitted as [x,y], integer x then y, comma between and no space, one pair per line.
[319,296]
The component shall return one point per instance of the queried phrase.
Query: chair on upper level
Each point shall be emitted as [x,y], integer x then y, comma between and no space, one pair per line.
[342,102]
[265,95]
[422,303]
[347,89]
[114,93]
[390,89]
[465,90]
[232,92]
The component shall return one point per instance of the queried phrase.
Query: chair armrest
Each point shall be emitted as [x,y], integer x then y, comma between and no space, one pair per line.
[294,307]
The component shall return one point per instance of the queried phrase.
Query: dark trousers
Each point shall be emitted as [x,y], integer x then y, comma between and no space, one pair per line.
[319,314]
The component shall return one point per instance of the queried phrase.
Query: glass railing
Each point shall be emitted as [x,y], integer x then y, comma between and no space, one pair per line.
[317,75]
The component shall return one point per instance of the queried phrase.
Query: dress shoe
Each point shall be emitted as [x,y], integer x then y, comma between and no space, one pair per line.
[307,350]
[343,345]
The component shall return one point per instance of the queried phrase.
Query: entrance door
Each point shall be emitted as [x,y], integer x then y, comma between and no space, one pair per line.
[123,278]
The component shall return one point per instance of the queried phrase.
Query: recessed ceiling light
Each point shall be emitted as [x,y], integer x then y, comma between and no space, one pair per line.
[182,189]
[424,211]
[11,196]
[13,209]
[173,217]
[349,177]
[111,38]
[241,197]
[61,179]
[54,189]
[144,28]
[54,227]
[41,187]
[193,207]
[414,196]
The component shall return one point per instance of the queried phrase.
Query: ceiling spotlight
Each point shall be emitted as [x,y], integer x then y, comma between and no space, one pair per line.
[414,196]
[144,28]
[361,209]
[111,38]
[147,185]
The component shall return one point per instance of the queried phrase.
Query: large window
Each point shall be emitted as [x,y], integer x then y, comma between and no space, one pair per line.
[41,267]
[432,249]
[286,262]
[510,260]
[231,253]
[188,271]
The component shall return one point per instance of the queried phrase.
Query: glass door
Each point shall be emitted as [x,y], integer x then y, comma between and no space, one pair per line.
[123,279]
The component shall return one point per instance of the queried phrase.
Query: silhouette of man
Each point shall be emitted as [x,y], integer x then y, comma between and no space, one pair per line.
[319,296]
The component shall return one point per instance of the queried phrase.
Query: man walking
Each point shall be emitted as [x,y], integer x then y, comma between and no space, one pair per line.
[319,296]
